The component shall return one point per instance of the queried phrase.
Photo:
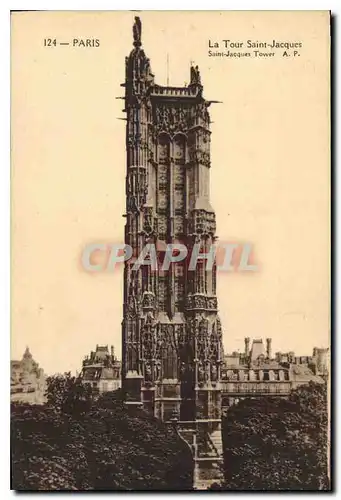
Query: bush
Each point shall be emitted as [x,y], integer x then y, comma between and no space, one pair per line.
[105,446]
[278,444]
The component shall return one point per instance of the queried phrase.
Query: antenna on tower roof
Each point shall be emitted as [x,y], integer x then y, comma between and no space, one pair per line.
[167,69]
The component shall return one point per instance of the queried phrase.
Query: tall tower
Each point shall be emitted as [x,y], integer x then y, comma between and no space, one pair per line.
[171,332]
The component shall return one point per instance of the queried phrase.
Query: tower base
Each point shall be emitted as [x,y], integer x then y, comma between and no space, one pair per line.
[204,439]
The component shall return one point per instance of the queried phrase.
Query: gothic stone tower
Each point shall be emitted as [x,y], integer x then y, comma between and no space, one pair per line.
[172,340]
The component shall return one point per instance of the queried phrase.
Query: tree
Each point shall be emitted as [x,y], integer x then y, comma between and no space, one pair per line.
[278,444]
[105,446]
[67,394]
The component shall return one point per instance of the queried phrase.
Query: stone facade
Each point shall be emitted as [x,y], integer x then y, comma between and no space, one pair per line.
[102,370]
[27,380]
[171,332]
[255,372]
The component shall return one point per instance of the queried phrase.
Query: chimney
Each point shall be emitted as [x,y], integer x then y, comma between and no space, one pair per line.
[247,346]
[112,351]
[268,348]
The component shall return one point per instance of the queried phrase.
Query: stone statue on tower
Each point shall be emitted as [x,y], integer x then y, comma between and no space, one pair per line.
[137,31]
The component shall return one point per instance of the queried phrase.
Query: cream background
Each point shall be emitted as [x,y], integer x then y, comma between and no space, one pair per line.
[269,179]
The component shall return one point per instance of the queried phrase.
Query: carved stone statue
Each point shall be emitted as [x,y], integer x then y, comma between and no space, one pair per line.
[201,373]
[195,76]
[148,373]
[137,31]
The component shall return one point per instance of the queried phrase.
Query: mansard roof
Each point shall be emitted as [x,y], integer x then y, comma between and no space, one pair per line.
[99,372]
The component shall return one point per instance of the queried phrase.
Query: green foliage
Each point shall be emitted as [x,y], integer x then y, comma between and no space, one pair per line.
[67,394]
[278,444]
[104,447]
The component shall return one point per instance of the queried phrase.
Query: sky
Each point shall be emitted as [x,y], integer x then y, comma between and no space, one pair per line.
[270,173]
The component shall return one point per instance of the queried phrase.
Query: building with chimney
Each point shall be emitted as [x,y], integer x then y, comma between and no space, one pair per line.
[102,370]
[256,372]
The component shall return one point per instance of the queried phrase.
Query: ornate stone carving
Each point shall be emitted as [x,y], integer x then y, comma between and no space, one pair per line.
[148,301]
[195,76]
[132,307]
[201,302]
[162,175]
[148,221]
[199,156]
[137,31]
[179,225]
[172,120]
[148,375]
[214,373]
[202,223]
[201,372]
[137,188]
[159,341]
[132,204]
[161,225]
[179,176]
[162,199]
[212,303]
[162,293]
[202,114]
[179,201]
